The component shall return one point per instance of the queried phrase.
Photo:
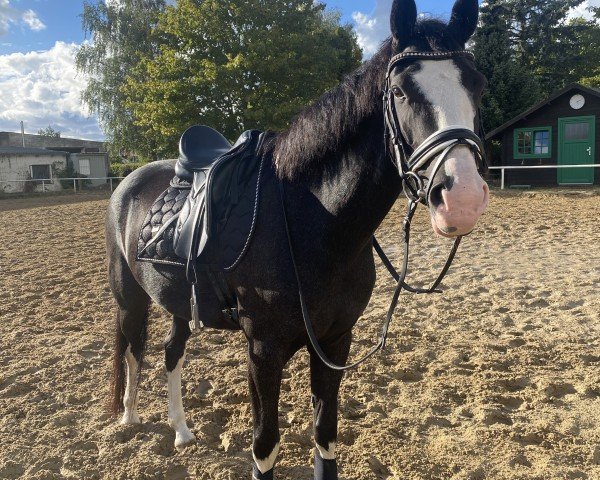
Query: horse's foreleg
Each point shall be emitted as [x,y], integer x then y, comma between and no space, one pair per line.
[174,358]
[325,384]
[265,369]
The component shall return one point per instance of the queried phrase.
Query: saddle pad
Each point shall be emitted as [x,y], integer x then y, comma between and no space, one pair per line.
[156,246]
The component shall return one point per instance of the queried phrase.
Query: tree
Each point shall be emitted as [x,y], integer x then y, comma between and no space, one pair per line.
[544,41]
[49,132]
[511,87]
[237,65]
[120,35]
[528,50]
[587,70]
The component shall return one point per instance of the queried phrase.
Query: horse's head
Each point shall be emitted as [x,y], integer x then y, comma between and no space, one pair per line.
[434,94]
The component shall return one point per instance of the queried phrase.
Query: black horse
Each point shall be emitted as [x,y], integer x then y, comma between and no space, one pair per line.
[340,182]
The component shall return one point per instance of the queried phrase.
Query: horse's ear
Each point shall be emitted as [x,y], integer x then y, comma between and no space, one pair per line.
[463,21]
[403,21]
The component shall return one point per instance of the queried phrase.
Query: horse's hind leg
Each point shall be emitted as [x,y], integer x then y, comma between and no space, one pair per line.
[131,340]
[325,384]
[174,358]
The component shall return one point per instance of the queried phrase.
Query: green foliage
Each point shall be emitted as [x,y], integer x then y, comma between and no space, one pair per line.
[120,36]
[512,88]
[237,65]
[587,69]
[528,50]
[49,132]
[124,169]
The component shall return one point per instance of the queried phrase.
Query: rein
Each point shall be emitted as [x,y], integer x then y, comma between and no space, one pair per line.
[417,188]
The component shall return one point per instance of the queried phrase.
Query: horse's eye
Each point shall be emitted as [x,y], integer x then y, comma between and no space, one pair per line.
[397,91]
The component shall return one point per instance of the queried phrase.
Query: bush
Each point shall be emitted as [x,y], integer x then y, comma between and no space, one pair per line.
[124,169]
[69,172]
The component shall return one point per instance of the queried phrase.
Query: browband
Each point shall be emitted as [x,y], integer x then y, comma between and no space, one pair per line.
[429,56]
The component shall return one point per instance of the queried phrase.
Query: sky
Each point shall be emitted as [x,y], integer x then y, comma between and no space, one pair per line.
[39,83]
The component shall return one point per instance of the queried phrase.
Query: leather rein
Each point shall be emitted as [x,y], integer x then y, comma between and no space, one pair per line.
[417,188]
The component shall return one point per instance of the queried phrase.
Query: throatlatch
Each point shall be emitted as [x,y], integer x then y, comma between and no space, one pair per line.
[417,188]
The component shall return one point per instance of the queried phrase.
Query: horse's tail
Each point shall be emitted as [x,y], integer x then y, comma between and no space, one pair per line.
[118,380]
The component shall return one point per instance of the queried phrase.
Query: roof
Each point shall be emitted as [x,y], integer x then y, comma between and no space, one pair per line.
[551,98]
[30,151]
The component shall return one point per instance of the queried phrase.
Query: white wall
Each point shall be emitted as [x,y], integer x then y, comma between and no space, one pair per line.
[17,167]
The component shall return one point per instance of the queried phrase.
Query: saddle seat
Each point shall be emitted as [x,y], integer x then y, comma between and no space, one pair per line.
[199,147]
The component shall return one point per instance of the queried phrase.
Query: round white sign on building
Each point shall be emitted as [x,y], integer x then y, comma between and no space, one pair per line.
[577,101]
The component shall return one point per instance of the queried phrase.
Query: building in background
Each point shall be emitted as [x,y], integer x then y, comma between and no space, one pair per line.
[18,164]
[560,130]
[43,156]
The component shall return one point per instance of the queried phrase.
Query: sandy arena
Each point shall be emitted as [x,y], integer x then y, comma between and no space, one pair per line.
[496,379]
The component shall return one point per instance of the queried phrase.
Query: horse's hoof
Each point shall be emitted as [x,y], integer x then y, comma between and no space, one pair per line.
[256,475]
[325,469]
[184,438]
[130,419]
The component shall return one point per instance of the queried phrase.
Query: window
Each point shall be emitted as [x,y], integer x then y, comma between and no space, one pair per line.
[40,172]
[84,166]
[577,131]
[533,142]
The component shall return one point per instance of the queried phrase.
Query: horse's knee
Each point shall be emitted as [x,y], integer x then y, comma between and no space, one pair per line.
[175,345]
[174,351]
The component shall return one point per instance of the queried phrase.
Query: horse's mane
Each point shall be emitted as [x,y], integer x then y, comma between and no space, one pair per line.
[322,129]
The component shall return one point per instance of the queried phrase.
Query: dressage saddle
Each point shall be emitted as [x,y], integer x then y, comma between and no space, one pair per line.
[205,220]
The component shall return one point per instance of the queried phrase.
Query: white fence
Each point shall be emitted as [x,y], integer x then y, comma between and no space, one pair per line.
[534,167]
[44,182]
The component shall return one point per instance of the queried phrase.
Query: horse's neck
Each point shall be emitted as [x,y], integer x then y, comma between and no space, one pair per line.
[353,198]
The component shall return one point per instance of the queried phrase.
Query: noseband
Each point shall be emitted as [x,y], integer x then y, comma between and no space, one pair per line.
[416,186]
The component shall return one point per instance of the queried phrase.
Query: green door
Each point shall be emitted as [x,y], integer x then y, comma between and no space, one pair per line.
[576,138]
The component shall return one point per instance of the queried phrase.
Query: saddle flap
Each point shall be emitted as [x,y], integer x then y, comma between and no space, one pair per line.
[191,218]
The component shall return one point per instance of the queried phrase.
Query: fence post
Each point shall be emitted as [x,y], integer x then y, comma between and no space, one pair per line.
[111,188]
[75,185]
[502,181]
[43,185]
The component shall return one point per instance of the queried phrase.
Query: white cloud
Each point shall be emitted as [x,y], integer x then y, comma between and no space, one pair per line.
[43,88]
[10,15]
[32,21]
[582,10]
[373,28]
[7,16]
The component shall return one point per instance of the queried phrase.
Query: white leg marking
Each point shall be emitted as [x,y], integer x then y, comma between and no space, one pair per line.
[130,399]
[441,84]
[268,463]
[183,435]
[328,454]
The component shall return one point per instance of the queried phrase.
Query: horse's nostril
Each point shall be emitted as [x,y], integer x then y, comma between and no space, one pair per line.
[435,196]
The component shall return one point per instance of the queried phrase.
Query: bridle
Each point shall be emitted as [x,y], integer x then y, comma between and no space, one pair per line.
[410,163]
[416,187]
